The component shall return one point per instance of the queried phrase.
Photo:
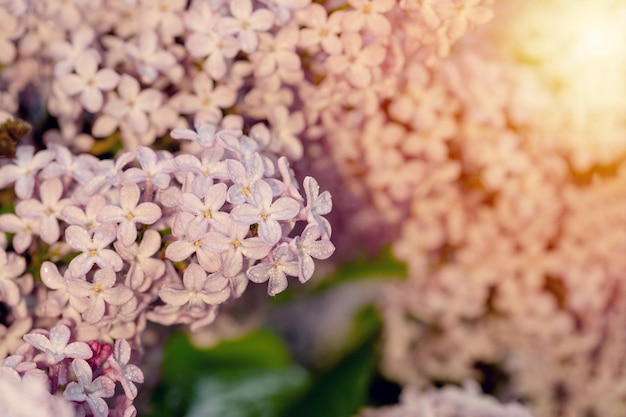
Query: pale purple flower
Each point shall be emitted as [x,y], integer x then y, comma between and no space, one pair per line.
[93,249]
[11,337]
[130,107]
[317,205]
[233,245]
[245,23]
[207,209]
[87,218]
[281,263]
[155,168]
[24,169]
[89,82]
[47,211]
[194,242]
[208,167]
[11,267]
[286,126]
[165,16]
[67,53]
[197,289]
[356,59]
[123,372]
[368,14]
[59,295]
[244,176]
[55,345]
[144,268]
[308,247]
[89,390]
[151,58]
[320,29]
[265,213]
[277,54]
[10,26]
[22,228]
[216,50]
[92,297]
[129,213]
[104,174]
[206,100]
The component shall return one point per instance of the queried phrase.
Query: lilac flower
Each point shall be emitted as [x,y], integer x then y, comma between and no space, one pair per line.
[207,100]
[89,82]
[155,168]
[92,298]
[197,289]
[11,267]
[277,54]
[282,263]
[317,205]
[93,249]
[370,14]
[244,176]
[356,60]
[233,245]
[105,173]
[123,372]
[92,391]
[320,28]
[266,213]
[245,23]
[208,167]
[130,107]
[59,296]
[129,214]
[22,228]
[204,42]
[86,218]
[47,210]
[55,345]
[23,170]
[194,241]
[144,268]
[11,337]
[207,210]
[286,126]
[151,58]
[308,247]
[67,53]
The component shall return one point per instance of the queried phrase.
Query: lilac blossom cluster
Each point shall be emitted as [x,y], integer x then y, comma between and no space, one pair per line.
[149,236]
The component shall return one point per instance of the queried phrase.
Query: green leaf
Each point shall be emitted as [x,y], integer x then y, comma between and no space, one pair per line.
[250,377]
[343,390]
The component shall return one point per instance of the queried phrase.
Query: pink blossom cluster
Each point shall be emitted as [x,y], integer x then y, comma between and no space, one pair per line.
[149,236]
[513,233]
[450,401]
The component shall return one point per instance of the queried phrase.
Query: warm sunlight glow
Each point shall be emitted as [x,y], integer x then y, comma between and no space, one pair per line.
[577,52]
